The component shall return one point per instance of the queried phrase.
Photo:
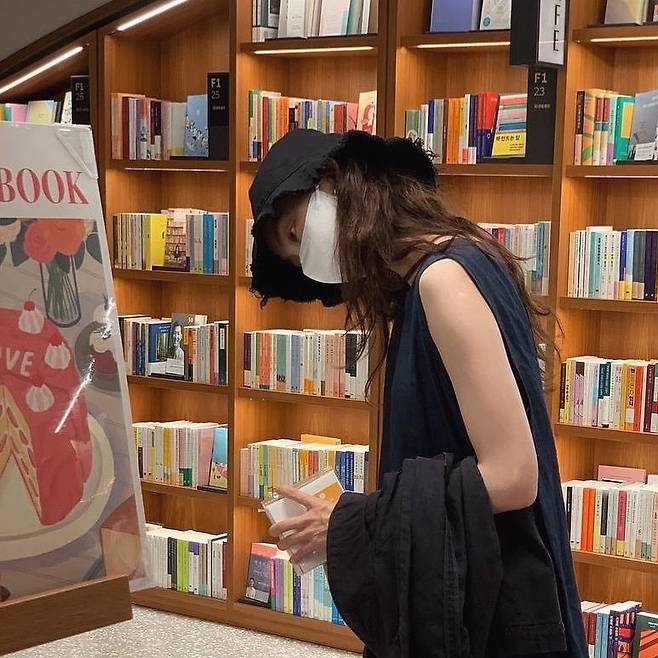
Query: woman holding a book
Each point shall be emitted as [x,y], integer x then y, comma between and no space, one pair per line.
[361,220]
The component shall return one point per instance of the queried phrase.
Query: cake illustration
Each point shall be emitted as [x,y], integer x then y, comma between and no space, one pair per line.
[43,413]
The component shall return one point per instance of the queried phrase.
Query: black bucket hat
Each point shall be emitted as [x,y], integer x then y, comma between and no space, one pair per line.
[295,164]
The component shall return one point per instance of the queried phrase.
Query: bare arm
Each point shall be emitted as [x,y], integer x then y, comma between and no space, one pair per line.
[468,338]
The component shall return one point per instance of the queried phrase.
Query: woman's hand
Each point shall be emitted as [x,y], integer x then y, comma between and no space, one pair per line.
[304,535]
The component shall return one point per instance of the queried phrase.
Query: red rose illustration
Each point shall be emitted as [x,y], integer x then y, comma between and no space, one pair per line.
[66,235]
[37,243]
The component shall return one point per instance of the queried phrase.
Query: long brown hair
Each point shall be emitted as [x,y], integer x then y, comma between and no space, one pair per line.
[384,220]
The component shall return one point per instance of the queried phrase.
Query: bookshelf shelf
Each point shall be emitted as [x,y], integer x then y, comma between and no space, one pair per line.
[618,36]
[177,385]
[300,628]
[599,434]
[613,562]
[245,280]
[184,492]
[297,398]
[613,171]
[248,165]
[609,305]
[349,46]
[217,166]
[450,42]
[191,605]
[253,503]
[173,277]
[498,170]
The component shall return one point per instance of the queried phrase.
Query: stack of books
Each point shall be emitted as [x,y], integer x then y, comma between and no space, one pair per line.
[615,515]
[619,394]
[188,561]
[311,362]
[272,581]
[631,11]
[471,129]
[69,107]
[532,242]
[272,115]
[610,629]
[182,453]
[184,347]
[280,19]
[152,129]
[177,239]
[469,15]
[609,264]
[266,465]
[613,127]
[249,246]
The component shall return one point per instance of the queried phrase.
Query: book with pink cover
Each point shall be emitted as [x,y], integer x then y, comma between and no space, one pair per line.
[621,474]
[16,112]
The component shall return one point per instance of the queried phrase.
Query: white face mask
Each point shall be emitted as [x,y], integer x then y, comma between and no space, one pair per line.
[318,251]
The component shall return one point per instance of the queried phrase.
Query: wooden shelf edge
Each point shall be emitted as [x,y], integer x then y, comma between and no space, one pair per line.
[611,561]
[190,605]
[313,46]
[184,492]
[601,434]
[618,36]
[246,501]
[609,305]
[480,41]
[177,385]
[61,613]
[219,280]
[221,166]
[494,169]
[298,628]
[613,171]
[296,398]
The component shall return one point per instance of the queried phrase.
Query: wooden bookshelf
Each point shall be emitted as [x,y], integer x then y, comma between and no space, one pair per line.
[623,58]
[175,490]
[407,66]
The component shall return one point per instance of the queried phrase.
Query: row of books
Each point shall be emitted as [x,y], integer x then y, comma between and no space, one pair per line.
[609,264]
[184,347]
[532,243]
[280,19]
[249,246]
[471,129]
[272,581]
[622,12]
[266,465]
[620,394]
[617,518]
[468,15]
[187,561]
[272,115]
[70,107]
[183,453]
[613,127]
[311,362]
[152,129]
[610,629]
[179,239]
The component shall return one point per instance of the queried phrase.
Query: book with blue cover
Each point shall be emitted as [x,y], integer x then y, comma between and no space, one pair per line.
[196,127]
[455,15]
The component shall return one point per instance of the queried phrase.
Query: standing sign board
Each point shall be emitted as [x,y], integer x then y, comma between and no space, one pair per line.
[70,503]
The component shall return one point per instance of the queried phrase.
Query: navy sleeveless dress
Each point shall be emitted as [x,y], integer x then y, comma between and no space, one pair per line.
[422,416]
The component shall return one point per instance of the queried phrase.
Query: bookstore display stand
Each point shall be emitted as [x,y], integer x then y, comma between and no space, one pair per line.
[169,57]
[34,620]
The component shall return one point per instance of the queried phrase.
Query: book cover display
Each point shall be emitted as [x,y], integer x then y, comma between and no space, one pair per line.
[196,127]
[70,501]
[619,12]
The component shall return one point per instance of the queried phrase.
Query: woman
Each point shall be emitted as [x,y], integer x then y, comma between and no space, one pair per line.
[359,219]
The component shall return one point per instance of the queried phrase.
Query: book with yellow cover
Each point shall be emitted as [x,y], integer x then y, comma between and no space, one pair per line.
[154,240]
[316,438]
[511,127]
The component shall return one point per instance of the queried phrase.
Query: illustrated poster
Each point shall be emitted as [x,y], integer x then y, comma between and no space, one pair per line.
[70,502]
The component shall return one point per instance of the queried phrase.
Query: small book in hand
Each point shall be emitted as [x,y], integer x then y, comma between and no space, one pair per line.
[325,486]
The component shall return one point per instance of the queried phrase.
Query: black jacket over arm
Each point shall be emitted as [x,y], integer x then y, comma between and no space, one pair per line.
[423,569]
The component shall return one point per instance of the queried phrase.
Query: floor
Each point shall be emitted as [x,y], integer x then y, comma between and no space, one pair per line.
[153,634]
